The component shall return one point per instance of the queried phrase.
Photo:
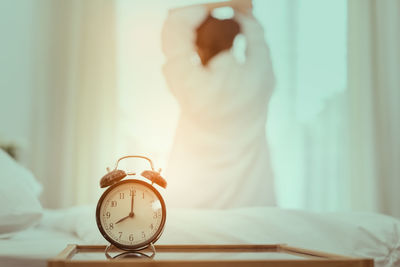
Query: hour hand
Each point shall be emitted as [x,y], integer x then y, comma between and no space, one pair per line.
[126,217]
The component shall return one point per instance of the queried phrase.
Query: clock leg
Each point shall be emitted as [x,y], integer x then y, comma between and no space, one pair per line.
[153,249]
[106,251]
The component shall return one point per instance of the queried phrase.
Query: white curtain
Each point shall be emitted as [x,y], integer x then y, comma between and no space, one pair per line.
[374,87]
[74,98]
[308,115]
[334,126]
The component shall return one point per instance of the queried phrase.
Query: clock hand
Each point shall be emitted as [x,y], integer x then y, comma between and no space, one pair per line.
[132,203]
[126,217]
[131,214]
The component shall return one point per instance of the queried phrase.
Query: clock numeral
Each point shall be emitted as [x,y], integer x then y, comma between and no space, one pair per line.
[143,195]
[151,226]
[111,226]
[108,215]
[143,235]
[131,237]
[121,195]
[120,234]
[113,203]
[132,191]
[156,214]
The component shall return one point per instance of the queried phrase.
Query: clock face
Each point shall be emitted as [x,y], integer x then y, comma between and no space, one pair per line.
[131,214]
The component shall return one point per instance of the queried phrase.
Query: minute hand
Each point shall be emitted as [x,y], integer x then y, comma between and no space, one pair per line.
[132,200]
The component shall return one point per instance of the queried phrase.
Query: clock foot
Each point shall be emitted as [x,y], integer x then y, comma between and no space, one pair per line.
[130,254]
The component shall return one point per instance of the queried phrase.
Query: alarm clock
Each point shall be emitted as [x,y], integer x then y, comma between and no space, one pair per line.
[131,213]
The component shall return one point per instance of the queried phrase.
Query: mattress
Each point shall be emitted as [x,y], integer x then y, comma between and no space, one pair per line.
[353,234]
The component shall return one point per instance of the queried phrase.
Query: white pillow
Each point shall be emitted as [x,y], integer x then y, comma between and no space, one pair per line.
[19,197]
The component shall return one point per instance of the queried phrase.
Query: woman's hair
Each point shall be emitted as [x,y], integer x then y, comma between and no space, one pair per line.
[215,35]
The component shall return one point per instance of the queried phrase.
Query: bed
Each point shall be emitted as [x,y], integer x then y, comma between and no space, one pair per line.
[364,235]
[30,235]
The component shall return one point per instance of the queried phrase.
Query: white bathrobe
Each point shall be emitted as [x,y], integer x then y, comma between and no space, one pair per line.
[220,157]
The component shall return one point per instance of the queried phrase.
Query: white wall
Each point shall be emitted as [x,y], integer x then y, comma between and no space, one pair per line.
[16,33]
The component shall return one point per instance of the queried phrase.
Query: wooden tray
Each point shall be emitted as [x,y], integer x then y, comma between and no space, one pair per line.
[207,255]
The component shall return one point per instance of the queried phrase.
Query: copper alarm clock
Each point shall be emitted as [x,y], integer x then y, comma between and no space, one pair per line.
[131,213]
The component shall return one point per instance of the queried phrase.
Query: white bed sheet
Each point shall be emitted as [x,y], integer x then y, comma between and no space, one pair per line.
[353,234]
